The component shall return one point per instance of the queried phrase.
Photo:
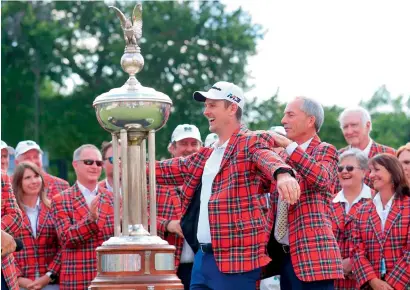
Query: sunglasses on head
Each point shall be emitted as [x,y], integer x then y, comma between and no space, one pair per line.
[349,168]
[90,162]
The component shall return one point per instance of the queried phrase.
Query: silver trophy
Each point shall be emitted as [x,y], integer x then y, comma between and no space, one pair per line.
[132,114]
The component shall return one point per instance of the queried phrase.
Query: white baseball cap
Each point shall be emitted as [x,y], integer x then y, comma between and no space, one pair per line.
[24,146]
[278,129]
[5,146]
[185,131]
[210,139]
[222,91]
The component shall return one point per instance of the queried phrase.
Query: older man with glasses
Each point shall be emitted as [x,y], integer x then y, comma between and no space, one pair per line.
[84,219]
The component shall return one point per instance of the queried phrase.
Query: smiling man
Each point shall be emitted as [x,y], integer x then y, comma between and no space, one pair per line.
[224,208]
[84,219]
[356,125]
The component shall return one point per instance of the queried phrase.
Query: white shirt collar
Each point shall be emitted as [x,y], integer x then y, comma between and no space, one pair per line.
[377,201]
[107,184]
[35,208]
[305,145]
[86,191]
[366,150]
[223,146]
[365,193]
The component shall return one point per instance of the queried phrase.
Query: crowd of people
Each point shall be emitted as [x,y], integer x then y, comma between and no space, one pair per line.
[241,208]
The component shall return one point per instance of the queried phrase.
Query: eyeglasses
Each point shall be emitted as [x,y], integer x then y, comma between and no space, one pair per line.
[349,168]
[90,162]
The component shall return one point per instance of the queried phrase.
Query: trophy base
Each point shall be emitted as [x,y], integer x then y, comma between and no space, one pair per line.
[136,263]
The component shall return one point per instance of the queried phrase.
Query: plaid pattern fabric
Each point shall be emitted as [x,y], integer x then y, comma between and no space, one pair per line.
[371,244]
[342,229]
[237,216]
[102,184]
[54,185]
[41,253]
[169,208]
[375,149]
[11,218]
[80,236]
[313,248]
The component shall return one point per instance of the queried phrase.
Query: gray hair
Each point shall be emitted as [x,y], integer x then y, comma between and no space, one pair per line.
[313,108]
[358,155]
[364,115]
[77,152]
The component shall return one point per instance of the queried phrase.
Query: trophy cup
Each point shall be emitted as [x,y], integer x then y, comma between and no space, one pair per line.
[134,258]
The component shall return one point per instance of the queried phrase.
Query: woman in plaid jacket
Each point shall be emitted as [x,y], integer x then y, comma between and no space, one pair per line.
[381,236]
[351,172]
[38,264]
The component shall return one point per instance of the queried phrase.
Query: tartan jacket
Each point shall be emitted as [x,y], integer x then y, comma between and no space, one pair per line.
[42,251]
[238,223]
[169,208]
[371,244]
[11,222]
[314,250]
[54,185]
[375,149]
[80,236]
[342,230]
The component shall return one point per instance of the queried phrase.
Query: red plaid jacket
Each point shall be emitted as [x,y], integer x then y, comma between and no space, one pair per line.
[375,149]
[314,250]
[238,225]
[169,208]
[80,236]
[102,184]
[342,229]
[11,222]
[371,244]
[42,251]
[54,185]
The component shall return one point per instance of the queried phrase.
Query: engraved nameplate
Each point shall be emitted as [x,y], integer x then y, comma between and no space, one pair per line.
[120,263]
[164,262]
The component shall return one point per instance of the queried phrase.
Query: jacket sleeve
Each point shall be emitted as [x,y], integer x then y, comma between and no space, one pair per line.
[11,216]
[266,160]
[319,170]
[73,235]
[399,278]
[174,171]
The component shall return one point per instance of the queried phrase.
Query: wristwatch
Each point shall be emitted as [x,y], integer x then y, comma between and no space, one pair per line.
[52,277]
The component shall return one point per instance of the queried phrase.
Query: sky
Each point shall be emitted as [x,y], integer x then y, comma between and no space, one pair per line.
[338,52]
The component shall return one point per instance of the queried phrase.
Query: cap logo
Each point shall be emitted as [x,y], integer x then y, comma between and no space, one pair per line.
[188,129]
[234,98]
[29,143]
[216,88]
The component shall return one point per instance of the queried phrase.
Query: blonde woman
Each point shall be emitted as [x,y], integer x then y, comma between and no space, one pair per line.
[38,264]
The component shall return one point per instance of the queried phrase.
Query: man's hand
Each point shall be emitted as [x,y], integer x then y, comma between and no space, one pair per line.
[280,140]
[39,283]
[8,244]
[94,208]
[378,284]
[175,227]
[24,282]
[288,188]
[347,266]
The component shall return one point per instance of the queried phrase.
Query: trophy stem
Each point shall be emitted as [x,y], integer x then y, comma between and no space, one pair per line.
[143,181]
[152,183]
[117,219]
[124,179]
